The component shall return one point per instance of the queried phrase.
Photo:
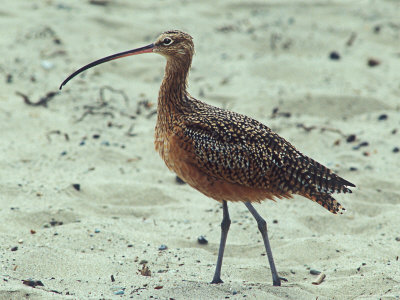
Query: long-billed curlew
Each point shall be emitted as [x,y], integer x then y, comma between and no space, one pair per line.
[225,155]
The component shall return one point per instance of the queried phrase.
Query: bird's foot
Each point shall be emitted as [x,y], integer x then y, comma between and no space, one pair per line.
[283,279]
[216,281]
[277,282]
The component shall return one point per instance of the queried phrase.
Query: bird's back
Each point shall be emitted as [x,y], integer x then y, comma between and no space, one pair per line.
[231,151]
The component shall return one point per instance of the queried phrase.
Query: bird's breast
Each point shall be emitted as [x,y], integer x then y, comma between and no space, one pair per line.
[161,144]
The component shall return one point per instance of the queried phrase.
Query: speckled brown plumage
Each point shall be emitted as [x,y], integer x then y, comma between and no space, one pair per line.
[220,152]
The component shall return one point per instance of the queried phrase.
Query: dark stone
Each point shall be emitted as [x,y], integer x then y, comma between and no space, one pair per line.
[334,55]
[32,283]
[179,180]
[163,247]
[383,117]
[373,62]
[202,240]
[351,138]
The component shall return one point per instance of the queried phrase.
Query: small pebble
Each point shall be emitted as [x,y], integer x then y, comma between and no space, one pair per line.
[275,221]
[56,223]
[334,55]
[397,239]
[179,180]
[319,279]
[234,292]
[363,144]
[63,6]
[383,117]
[105,143]
[15,248]
[96,136]
[47,65]
[202,240]
[353,169]
[396,149]
[97,230]
[373,62]
[315,272]
[76,186]
[163,247]
[99,2]
[82,143]
[351,138]
[32,283]
[9,78]
[112,278]
[63,153]
[119,292]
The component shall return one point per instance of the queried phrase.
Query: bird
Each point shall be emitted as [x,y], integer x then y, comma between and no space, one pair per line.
[225,155]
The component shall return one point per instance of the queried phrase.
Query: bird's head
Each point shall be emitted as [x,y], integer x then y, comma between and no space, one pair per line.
[173,44]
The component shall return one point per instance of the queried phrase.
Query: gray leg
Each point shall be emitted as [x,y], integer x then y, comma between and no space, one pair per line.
[262,226]
[226,222]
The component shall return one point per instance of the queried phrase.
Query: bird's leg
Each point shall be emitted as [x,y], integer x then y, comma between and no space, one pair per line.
[226,222]
[262,226]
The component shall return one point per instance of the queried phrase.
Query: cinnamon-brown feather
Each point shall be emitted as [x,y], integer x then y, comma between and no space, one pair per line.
[233,157]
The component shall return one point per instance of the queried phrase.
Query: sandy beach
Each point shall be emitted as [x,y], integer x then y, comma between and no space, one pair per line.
[88,209]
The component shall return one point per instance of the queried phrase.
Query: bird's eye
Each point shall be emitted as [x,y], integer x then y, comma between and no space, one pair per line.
[167,41]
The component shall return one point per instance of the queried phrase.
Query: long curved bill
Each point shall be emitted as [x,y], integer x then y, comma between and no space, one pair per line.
[145,49]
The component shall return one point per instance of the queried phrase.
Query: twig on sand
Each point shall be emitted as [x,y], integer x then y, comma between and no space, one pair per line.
[42,101]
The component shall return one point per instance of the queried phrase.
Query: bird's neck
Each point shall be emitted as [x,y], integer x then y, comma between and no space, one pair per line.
[172,97]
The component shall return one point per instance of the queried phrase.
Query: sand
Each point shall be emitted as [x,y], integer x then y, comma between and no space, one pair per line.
[251,57]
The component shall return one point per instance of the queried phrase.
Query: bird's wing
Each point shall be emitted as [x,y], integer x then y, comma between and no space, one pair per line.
[238,149]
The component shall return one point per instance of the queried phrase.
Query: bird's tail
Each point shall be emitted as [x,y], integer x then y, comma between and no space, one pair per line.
[326,200]
[323,179]
[321,183]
